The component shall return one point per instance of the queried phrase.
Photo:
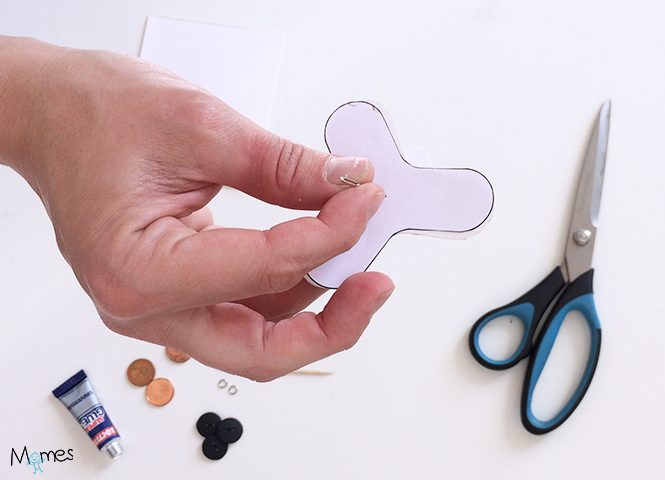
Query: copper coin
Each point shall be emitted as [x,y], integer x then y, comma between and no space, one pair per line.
[176,356]
[159,392]
[141,372]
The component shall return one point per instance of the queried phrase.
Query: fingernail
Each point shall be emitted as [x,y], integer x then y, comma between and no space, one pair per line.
[378,303]
[376,202]
[345,170]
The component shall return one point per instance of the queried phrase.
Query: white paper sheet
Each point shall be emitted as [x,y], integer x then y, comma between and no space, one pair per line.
[238,65]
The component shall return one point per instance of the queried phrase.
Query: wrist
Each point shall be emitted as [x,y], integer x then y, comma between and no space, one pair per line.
[25,66]
[15,56]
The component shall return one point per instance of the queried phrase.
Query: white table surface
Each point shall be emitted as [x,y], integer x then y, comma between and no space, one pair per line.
[508,88]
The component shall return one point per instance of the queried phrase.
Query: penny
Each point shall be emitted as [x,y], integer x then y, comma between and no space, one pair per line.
[176,356]
[159,392]
[141,372]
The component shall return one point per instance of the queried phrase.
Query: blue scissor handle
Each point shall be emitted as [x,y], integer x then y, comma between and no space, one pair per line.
[529,308]
[578,296]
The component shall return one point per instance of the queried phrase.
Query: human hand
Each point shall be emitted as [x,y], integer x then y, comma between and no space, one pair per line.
[125,155]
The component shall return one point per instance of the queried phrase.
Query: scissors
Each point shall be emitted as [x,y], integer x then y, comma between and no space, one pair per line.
[569,288]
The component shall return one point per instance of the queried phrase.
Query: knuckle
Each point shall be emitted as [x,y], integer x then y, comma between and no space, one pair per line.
[289,161]
[197,109]
[195,117]
[283,271]
[283,274]
[341,339]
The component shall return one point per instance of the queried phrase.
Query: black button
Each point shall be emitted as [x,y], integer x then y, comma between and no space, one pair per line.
[207,424]
[229,430]
[214,448]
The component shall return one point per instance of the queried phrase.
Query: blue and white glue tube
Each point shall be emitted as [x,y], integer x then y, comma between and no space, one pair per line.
[80,399]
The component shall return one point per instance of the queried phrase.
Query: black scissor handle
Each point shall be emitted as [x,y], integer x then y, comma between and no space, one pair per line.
[529,308]
[577,296]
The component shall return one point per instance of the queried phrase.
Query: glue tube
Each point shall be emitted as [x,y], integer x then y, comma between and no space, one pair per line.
[81,400]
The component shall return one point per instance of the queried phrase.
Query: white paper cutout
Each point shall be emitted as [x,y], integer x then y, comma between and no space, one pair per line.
[442,202]
[240,66]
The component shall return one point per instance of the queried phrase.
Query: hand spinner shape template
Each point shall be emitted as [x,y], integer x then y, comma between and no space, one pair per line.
[444,202]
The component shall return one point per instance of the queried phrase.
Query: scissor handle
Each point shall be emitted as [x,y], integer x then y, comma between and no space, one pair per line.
[529,309]
[577,296]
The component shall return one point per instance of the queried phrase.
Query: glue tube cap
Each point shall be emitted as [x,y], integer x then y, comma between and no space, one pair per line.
[114,448]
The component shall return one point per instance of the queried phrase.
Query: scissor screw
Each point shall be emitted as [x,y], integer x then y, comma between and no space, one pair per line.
[582,237]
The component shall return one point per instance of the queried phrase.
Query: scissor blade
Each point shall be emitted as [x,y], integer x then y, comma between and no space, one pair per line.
[599,152]
[582,233]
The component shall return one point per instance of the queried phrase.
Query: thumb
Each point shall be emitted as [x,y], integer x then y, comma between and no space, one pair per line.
[279,171]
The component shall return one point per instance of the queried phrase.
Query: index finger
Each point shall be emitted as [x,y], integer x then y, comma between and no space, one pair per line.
[170,267]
